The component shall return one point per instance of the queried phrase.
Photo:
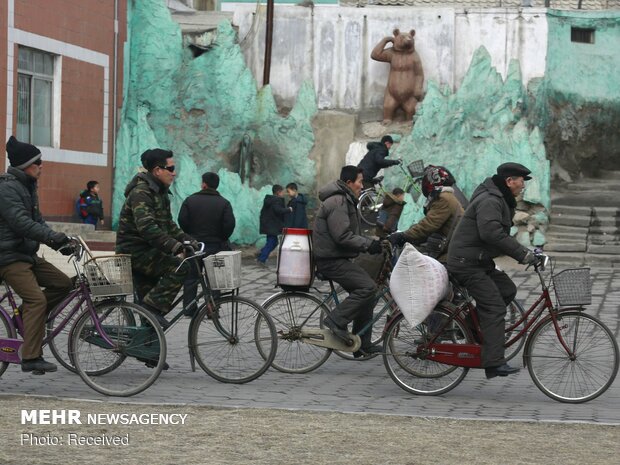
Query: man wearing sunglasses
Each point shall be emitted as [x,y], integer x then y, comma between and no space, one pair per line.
[147,232]
[22,229]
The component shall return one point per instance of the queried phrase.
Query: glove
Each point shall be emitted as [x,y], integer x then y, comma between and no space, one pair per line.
[67,249]
[57,240]
[375,248]
[177,249]
[397,239]
[529,259]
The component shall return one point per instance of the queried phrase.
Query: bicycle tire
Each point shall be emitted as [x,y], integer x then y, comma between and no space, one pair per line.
[378,330]
[572,381]
[229,355]
[417,375]
[6,332]
[292,312]
[368,206]
[513,314]
[137,356]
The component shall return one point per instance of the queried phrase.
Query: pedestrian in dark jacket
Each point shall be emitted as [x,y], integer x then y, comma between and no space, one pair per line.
[22,229]
[207,217]
[91,206]
[375,159]
[272,218]
[147,232]
[337,239]
[297,203]
[482,235]
[390,211]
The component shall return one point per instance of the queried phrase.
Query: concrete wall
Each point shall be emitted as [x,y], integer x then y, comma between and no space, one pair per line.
[332,45]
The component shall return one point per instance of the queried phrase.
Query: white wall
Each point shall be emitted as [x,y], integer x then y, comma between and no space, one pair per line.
[332,45]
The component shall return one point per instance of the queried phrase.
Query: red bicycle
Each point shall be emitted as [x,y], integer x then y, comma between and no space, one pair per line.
[570,355]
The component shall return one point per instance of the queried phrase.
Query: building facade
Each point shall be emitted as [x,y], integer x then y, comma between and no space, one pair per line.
[61,90]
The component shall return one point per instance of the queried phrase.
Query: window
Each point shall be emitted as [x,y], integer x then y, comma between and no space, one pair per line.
[35,77]
[581,35]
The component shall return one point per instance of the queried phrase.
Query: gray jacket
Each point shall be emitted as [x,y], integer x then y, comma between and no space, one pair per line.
[337,231]
[21,225]
[484,230]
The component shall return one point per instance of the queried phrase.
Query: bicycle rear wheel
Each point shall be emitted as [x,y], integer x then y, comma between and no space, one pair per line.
[368,207]
[225,341]
[293,312]
[134,360]
[59,345]
[578,378]
[412,371]
[5,333]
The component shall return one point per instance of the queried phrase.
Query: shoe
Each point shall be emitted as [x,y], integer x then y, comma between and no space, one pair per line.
[159,316]
[502,370]
[368,351]
[262,264]
[339,332]
[38,366]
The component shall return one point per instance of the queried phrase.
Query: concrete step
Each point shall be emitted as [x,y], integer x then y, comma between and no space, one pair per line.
[610,174]
[565,246]
[570,220]
[578,236]
[72,229]
[608,249]
[605,230]
[612,221]
[562,228]
[562,209]
[606,211]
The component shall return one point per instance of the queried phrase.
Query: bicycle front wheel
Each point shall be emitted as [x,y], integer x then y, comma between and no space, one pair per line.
[409,368]
[293,312]
[368,206]
[133,360]
[225,340]
[577,376]
[6,332]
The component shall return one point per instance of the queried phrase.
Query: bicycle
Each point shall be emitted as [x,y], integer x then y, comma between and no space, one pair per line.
[223,330]
[109,343]
[371,199]
[571,356]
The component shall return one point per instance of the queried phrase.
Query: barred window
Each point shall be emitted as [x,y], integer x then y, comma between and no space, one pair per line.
[582,35]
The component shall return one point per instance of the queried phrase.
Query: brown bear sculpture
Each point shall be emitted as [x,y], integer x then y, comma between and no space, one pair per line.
[406,80]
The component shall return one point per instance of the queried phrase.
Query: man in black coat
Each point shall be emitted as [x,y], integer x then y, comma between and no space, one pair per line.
[482,235]
[375,159]
[272,218]
[22,229]
[207,217]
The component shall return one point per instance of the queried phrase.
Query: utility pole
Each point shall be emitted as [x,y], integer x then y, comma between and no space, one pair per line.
[268,40]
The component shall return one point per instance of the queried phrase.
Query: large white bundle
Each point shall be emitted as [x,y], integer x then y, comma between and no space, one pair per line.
[418,283]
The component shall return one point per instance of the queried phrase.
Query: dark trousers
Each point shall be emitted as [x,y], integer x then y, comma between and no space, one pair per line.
[26,279]
[157,283]
[272,243]
[190,288]
[493,291]
[358,306]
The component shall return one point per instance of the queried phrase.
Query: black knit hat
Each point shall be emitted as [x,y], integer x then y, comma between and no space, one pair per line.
[21,154]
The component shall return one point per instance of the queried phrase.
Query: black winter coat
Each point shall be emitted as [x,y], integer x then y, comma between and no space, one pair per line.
[374,160]
[21,225]
[484,230]
[207,217]
[273,215]
[298,218]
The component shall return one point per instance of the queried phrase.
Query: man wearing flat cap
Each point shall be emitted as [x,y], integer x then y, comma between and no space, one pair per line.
[22,229]
[482,235]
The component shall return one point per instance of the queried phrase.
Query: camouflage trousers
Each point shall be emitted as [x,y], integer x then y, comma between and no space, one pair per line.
[155,279]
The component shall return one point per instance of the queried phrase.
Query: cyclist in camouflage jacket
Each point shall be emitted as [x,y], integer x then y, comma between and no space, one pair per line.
[147,232]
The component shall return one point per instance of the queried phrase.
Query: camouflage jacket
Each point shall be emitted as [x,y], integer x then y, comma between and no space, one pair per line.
[146,221]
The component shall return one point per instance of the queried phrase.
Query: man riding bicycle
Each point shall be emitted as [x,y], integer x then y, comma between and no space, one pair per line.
[375,159]
[337,240]
[482,235]
[147,232]
[22,229]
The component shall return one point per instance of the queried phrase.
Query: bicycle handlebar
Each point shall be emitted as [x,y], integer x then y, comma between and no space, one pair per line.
[193,254]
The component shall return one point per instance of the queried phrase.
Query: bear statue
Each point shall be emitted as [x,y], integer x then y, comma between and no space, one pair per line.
[406,80]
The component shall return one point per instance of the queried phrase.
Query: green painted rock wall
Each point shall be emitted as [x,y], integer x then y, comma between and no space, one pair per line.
[472,131]
[208,111]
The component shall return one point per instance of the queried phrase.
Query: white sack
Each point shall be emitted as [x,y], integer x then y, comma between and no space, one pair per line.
[418,283]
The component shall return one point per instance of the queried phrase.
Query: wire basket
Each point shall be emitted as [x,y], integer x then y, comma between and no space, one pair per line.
[573,287]
[109,275]
[416,168]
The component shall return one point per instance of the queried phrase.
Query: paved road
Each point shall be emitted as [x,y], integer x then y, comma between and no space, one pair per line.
[354,386]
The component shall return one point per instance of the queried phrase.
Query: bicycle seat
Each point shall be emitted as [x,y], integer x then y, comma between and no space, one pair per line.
[377,180]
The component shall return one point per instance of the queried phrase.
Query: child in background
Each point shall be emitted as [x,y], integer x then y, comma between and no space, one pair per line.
[389,213]
[297,203]
[272,217]
[90,205]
